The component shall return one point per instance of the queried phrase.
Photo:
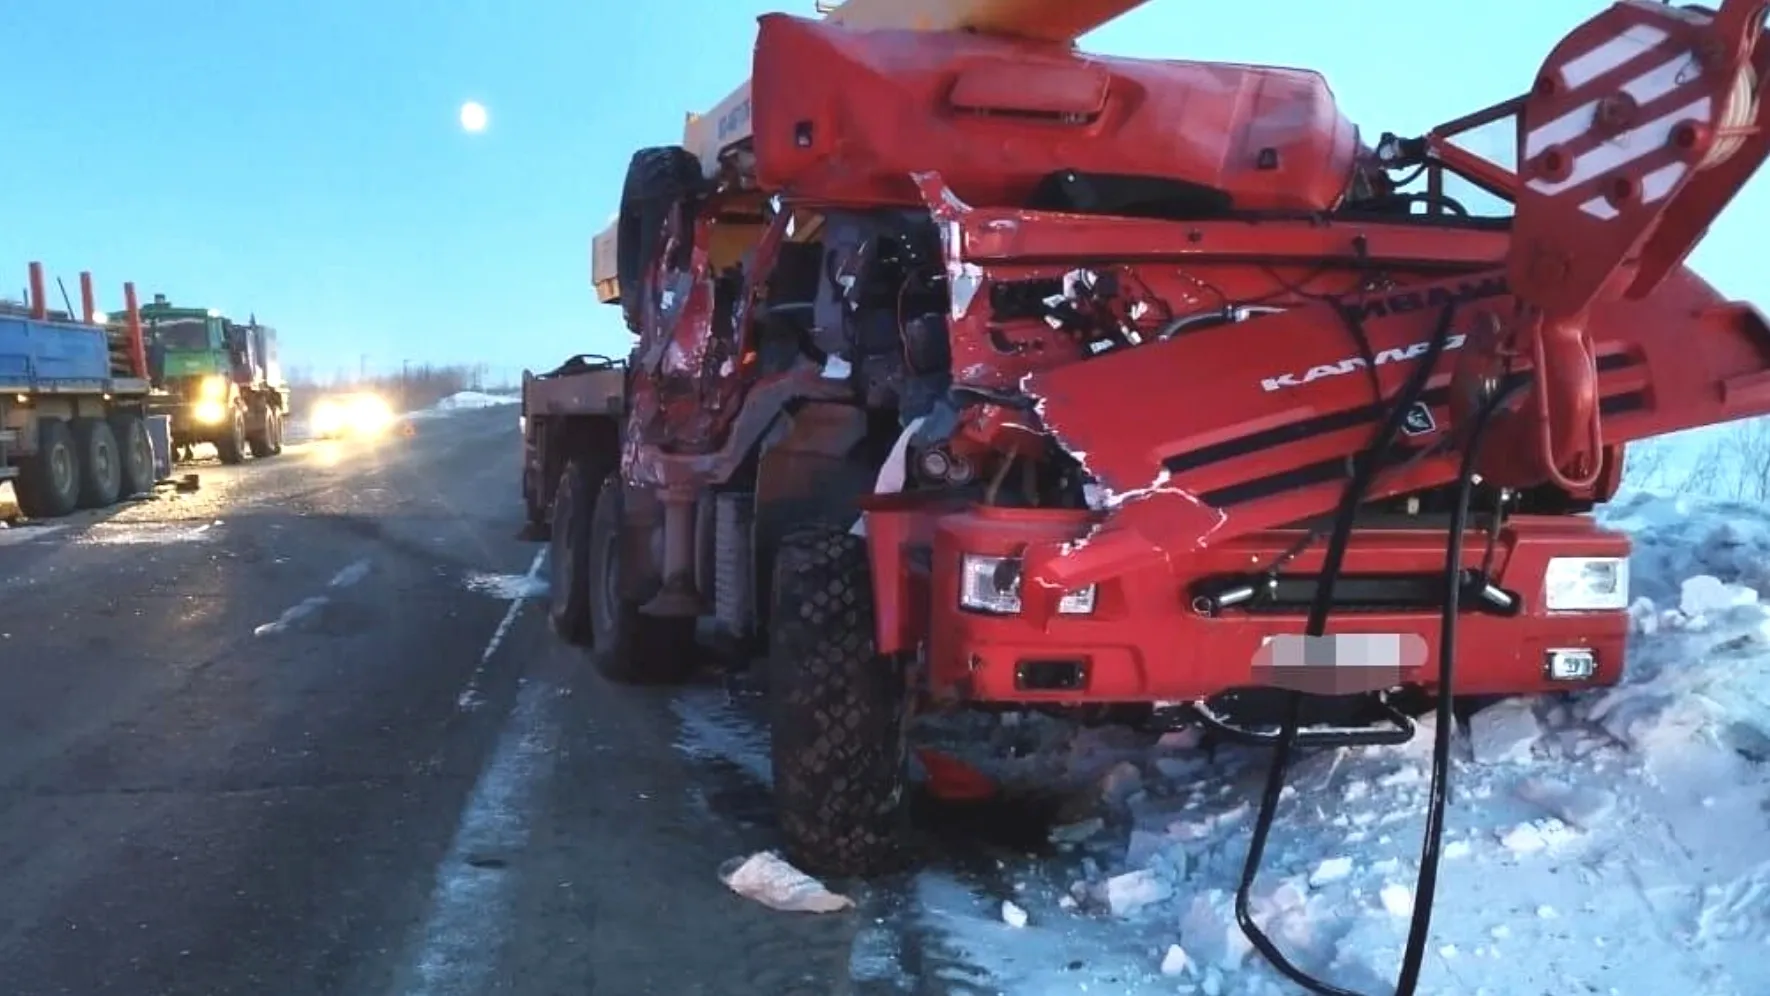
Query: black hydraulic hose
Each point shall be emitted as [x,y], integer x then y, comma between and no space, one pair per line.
[1426,885]
[1364,472]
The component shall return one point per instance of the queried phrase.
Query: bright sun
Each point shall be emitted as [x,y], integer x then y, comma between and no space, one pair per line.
[473,116]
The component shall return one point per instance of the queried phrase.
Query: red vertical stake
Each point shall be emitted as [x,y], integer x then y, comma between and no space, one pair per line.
[137,348]
[88,303]
[39,310]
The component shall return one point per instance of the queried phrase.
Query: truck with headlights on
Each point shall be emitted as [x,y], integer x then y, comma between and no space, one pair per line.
[219,380]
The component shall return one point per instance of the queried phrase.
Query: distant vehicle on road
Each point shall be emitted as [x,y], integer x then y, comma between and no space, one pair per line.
[359,413]
[73,399]
[220,381]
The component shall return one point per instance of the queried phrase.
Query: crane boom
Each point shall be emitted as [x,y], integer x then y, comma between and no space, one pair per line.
[1057,21]
[727,124]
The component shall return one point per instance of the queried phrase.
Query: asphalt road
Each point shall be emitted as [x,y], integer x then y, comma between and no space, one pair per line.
[284,735]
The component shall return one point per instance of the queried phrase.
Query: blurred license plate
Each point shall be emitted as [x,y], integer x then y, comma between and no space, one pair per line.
[1339,663]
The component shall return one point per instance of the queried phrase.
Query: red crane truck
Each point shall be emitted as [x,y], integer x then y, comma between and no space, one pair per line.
[971,369]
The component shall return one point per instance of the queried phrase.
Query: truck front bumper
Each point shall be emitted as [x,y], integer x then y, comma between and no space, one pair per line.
[194,421]
[1173,630]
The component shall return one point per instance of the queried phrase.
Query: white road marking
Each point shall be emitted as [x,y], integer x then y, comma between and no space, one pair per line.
[471,696]
[292,615]
[471,914]
[349,575]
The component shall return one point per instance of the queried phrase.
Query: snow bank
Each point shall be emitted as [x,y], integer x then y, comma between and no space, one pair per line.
[1608,842]
[474,399]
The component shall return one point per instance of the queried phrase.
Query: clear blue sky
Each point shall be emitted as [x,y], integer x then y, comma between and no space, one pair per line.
[303,160]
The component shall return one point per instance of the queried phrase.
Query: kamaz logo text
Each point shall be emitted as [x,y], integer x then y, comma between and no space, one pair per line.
[1355,363]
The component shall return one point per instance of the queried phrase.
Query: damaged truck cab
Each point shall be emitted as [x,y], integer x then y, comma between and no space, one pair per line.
[999,373]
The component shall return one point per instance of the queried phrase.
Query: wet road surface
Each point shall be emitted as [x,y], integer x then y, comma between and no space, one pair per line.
[291,734]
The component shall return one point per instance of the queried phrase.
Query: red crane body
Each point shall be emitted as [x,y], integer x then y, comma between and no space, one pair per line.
[1092,347]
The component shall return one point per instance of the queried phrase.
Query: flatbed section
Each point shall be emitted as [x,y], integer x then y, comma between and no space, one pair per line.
[73,404]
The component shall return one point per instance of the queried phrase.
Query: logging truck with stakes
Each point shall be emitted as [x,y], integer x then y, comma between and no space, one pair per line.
[73,397]
[971,370]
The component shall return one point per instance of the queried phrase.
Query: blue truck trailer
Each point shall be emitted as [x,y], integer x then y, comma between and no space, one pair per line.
[73,403]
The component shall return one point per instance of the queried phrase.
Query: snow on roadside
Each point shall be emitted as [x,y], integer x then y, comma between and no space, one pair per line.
[1609,842]
[474,399]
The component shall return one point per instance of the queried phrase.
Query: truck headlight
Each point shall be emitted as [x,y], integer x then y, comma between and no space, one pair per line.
[1576,584]
[212,388]
[992,585]
[208,412]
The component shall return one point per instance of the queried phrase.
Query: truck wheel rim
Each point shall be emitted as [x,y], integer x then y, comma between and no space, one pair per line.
[61,468]
[559,556]
[103,461]
[610,571]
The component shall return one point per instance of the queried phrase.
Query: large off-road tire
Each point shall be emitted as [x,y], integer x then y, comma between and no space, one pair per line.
[48,485]
[838,710]
[632,648]
[267,442]
[658,179]
[568,553]
[135,453]
[231,446]
[101,463]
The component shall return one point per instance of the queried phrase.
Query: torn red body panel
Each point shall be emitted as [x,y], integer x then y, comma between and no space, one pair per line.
[1265,439]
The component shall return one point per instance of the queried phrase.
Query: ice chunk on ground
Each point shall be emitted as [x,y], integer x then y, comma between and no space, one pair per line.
[1174,961]
[1504,733]
[1331,870]
[1537,835]
[767,878]
[1126,894]
[1397,899]
[1582,806]
[1707,595]
[1013,915]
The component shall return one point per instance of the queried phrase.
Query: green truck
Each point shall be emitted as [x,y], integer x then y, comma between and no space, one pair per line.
[220,381]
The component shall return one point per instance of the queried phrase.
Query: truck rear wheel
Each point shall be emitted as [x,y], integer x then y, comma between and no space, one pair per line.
[135,454]
[267,442]
[839,710]
[657,179]
[101,465]
[632,648]
[568,553]
[48,485]
[231,447]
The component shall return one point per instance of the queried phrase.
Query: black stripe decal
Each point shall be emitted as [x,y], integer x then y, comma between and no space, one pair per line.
[1334,422]
[1327,471]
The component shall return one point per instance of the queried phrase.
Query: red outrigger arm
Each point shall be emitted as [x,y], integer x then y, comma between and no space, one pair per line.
[1643,125]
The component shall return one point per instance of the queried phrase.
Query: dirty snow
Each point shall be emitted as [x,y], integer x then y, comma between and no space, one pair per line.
[147,533]
[1605,842]
[505,586]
